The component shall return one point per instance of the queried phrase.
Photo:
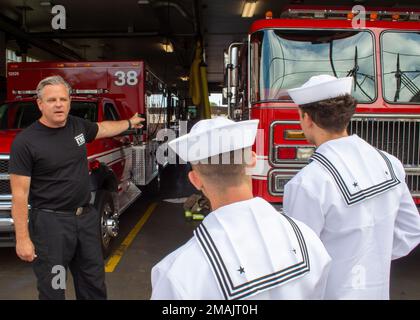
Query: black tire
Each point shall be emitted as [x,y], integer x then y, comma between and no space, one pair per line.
[105,206]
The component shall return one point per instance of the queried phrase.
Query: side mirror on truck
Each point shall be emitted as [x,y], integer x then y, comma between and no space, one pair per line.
[232,75]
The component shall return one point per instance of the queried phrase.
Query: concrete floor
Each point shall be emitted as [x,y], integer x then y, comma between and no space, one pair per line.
[164,231]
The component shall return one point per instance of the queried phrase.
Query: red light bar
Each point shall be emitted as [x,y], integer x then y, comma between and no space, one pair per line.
[327,12]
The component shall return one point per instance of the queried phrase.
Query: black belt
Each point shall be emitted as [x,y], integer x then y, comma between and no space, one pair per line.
[77,211]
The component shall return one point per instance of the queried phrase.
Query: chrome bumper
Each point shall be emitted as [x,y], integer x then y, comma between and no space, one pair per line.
[6,221]
[7,227]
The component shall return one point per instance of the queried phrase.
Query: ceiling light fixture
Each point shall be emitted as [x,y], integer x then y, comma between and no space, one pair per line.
[167,46]
[45,4]
[249,8]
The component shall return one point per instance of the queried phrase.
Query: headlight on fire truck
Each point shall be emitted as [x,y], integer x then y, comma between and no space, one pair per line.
[277,179]
[280,182]
[304,153]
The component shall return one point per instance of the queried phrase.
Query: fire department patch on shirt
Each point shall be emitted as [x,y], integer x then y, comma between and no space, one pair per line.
[80,139]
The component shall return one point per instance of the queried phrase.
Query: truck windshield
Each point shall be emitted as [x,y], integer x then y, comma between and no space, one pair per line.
[401,67]
[285,59]
[19,115]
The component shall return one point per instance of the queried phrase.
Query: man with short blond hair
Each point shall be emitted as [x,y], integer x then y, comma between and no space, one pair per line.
[49,170]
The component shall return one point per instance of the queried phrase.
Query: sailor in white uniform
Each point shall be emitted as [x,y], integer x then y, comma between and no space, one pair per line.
[351,194]
[244,249]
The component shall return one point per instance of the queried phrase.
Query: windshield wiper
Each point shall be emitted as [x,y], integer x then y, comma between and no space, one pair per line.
[353,73]
[405,80]
[398,74]
[331,59]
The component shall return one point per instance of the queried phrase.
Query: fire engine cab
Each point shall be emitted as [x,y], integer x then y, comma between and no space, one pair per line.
[379,48]
[120,166]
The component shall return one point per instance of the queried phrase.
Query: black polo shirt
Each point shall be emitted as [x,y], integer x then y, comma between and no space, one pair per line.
[56,161]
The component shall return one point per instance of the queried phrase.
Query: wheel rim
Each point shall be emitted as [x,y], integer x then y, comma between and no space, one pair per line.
[106,213]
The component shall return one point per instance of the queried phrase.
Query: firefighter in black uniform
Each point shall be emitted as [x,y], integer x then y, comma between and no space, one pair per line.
[49,170]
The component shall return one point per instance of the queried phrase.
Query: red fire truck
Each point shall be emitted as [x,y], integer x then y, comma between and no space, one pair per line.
[383,57]
[101,91]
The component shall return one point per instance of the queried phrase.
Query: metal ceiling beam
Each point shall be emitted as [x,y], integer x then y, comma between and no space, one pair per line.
[101,34]
[48,46]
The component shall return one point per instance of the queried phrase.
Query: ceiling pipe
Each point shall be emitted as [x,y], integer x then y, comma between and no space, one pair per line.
[157,4]
[197,25]
[162,13]
[174,5]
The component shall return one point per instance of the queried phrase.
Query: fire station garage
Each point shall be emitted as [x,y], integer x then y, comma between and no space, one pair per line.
[174,63]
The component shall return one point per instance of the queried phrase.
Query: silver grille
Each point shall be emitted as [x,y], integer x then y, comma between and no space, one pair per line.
[4,166]
[399,137]
[5,187]
[4,176]
[413,183]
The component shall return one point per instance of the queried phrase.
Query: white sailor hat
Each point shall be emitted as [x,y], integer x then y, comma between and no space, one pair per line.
[211,137]
[319,88]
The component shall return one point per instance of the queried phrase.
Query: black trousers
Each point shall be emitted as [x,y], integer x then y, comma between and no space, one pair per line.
[65,241]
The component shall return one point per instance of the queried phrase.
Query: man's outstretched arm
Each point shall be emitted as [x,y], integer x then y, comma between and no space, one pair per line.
[107,129]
